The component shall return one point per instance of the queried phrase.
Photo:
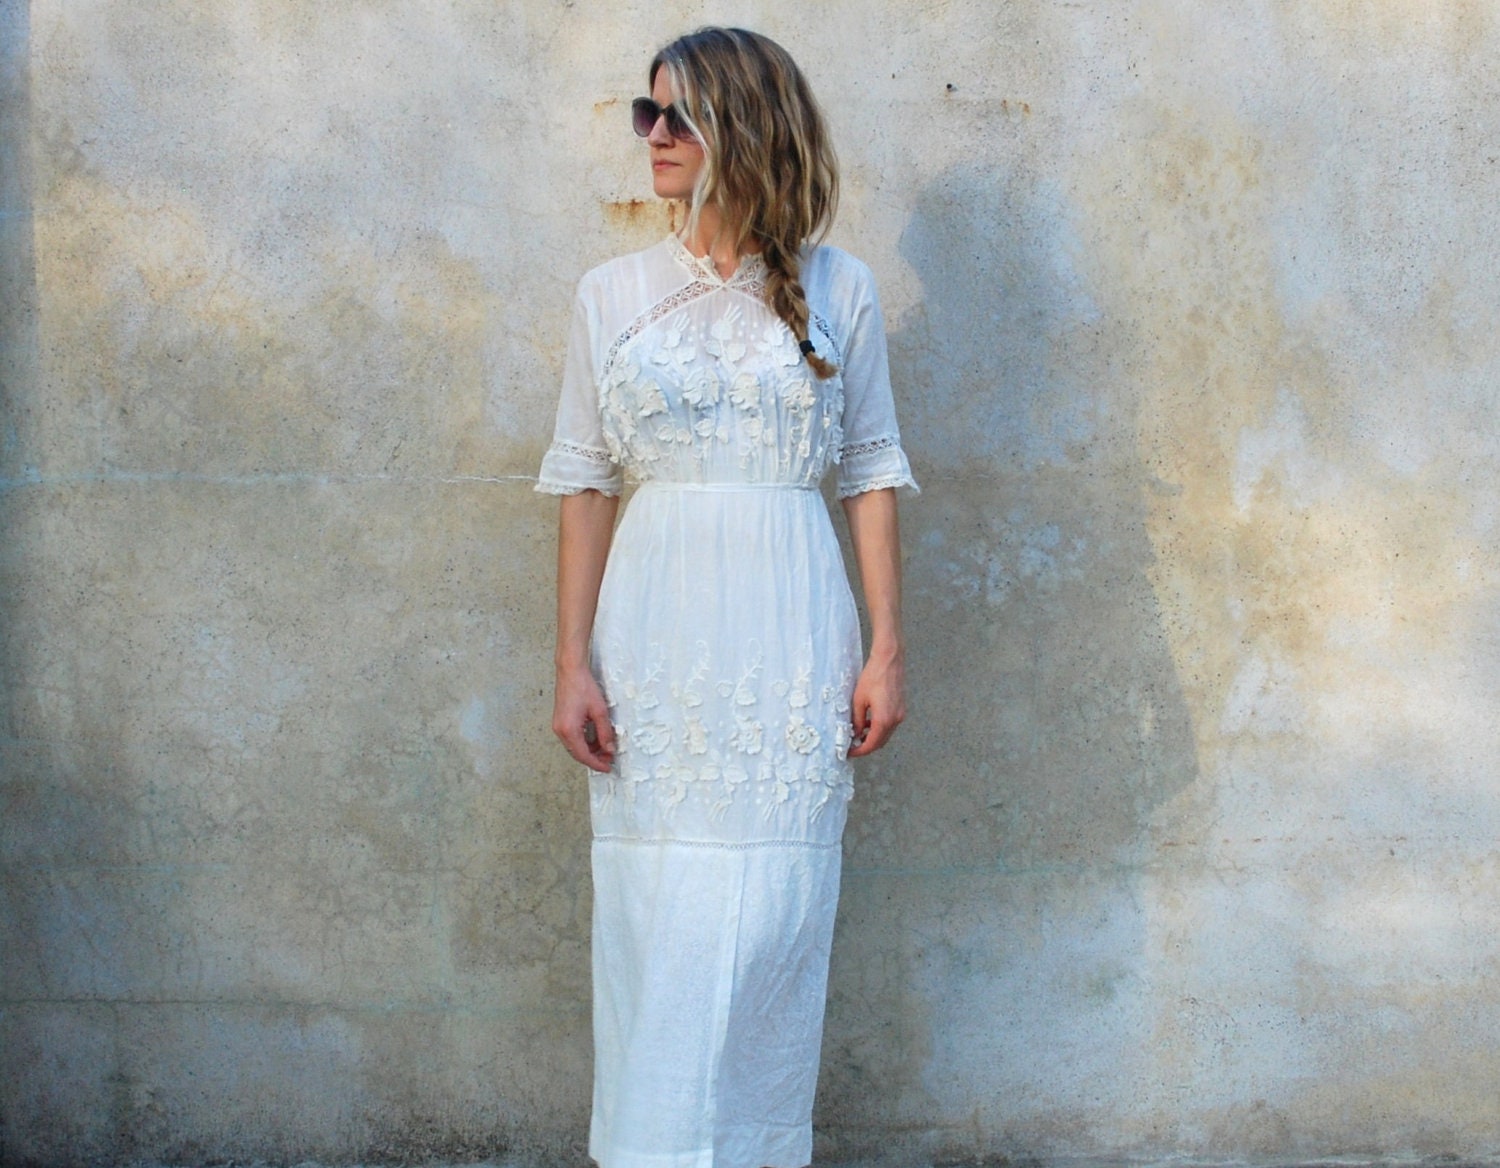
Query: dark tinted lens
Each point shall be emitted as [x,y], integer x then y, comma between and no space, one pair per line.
[643,115]
[675,125]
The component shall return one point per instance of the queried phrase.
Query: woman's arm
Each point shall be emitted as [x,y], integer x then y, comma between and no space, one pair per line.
[880,693]
[579,715]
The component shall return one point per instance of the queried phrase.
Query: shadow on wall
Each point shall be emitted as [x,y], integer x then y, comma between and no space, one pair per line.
[989,910]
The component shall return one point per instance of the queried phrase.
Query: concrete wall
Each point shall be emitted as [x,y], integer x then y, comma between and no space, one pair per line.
[1189,846]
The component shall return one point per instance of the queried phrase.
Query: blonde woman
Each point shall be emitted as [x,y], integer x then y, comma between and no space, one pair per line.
[709,669]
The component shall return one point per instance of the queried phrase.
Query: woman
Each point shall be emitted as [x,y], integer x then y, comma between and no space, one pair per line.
[722,693]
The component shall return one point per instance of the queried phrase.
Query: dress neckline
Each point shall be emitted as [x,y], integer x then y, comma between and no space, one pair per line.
[752,269]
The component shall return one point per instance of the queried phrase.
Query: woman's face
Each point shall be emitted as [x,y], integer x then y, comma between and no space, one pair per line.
[675,162]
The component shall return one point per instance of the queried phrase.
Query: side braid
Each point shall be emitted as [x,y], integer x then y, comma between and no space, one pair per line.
[787,300]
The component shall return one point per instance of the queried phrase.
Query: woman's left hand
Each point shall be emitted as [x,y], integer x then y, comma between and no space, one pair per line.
[879,702]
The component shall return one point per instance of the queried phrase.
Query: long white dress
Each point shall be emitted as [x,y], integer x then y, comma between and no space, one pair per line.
[727,645]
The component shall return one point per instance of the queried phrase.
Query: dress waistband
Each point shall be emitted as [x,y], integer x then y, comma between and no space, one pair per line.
[656,485]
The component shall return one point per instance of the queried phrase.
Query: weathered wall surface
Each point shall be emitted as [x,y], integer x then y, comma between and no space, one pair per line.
[1189,847]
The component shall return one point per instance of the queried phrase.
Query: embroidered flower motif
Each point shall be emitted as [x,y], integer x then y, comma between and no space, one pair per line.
[672,350]
[696,741]
[798,395]
[776,344]
[644,696]
[653,737]
[748,735]
[701,389]
[801,737]
[649,399]
[621,374]
[744,392]
[722,343]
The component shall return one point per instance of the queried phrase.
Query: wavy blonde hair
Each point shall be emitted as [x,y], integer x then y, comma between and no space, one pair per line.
[769,168]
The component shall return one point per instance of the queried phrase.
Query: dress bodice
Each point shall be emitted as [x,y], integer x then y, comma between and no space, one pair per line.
[678,375]
[709,386]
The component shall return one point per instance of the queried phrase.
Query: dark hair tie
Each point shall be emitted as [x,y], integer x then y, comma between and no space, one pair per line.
[808,348]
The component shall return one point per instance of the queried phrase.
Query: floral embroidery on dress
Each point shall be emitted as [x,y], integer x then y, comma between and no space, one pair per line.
[720,732]
[702,387]
[801,737]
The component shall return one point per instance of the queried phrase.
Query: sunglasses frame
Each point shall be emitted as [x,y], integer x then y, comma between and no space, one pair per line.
[644,107]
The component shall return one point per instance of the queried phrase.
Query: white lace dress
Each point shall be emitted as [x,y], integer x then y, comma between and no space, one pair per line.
[727,645]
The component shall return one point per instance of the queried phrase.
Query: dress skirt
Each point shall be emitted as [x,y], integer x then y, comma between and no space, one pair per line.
[727,643]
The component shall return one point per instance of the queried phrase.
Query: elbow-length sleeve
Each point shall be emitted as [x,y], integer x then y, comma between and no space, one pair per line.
[870,457]
[579,459]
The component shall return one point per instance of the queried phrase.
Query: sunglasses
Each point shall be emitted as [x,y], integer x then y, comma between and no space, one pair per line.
[644,114]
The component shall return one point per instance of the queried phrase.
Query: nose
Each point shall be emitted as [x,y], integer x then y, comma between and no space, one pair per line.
[659,135]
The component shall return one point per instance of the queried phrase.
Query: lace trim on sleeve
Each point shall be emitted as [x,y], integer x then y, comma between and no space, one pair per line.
[570,468]
[552,487]
[587,453]
[879,483]
[871,446]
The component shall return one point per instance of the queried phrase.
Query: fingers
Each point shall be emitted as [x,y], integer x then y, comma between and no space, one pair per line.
[873,728]
[589,746]
[877,733]
[581,720]
[859,722]
[592,741]
[876,712]
[603,736]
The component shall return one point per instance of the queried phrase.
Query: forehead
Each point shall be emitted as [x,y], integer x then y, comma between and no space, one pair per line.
[661,88]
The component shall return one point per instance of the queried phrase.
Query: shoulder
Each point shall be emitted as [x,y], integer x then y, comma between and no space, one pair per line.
[629,270]
[834,263]
[832,276]
[615,292]
[841,288]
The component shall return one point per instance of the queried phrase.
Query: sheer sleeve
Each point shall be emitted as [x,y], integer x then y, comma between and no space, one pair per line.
[578,459]
[871,457]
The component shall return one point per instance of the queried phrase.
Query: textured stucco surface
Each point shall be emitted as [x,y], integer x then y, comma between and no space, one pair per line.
[1189,848]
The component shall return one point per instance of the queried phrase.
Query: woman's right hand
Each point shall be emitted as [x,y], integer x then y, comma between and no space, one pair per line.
[580,718]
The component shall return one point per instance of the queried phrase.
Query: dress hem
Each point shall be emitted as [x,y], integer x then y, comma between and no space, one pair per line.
[760,1146]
